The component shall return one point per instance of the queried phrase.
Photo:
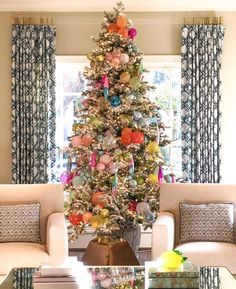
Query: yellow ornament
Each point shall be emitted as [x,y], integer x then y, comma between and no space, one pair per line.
[153,179]
[104,213]
[97,221]
[100,58]
[171,260]
[153,147]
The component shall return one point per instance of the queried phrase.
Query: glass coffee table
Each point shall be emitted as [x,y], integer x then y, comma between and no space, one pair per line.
[210,278]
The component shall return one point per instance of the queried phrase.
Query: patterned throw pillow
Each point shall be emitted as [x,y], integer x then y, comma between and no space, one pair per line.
[20,223]
[206,222]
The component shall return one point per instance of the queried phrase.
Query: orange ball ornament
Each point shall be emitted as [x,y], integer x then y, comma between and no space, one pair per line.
[75,141]
[112,28]
[121,21]
[123,32]
[86,140]
[75,219]
[137,137]
[97,199]
[87,216]
[125,77]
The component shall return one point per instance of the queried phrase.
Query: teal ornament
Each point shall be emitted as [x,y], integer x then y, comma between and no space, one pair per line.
[78,181]
[137,115]
[115,100]
[106,93]
[149,217]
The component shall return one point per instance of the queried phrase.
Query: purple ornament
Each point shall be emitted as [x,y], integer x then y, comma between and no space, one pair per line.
[132,33]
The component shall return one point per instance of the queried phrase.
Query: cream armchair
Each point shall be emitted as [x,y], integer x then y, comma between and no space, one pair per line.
[53,231]
[166,229]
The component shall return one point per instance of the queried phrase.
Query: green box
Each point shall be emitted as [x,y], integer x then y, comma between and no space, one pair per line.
[180,280]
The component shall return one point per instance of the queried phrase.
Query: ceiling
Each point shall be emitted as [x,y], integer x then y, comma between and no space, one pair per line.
[131,5]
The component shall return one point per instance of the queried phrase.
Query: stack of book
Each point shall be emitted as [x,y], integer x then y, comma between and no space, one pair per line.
[65,276]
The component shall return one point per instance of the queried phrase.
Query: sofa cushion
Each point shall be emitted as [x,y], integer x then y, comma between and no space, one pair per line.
[206,222]
[20,223]
[213,254]
[16,255]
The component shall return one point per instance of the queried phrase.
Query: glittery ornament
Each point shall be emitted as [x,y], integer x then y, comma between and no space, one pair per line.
[115,101]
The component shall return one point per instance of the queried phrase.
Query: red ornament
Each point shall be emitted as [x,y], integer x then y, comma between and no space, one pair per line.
[126,139]
[75,219]
[133,206]
[137,137]
[126,130]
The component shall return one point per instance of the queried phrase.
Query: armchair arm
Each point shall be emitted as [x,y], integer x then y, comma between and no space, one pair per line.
[163,234]
[57,238]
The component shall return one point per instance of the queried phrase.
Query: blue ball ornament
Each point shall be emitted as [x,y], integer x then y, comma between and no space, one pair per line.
[115,100]
[149,217]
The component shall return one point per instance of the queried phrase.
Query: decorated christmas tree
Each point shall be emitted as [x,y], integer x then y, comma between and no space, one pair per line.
[114,158]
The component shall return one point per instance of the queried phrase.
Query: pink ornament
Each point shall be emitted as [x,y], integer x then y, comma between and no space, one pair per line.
[101,276]
[109,57]
[86,140]
[76,141]
[66,178]
[115,61]
[132,33]
[106,159]
[116,53]
[93,160]
[124,58]
[85,102]
[105,81]
[106,283]
[100,167]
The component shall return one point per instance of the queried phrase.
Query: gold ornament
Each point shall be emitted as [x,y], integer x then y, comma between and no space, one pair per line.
[104,213]
[100,58]
[153,147]
[153,178]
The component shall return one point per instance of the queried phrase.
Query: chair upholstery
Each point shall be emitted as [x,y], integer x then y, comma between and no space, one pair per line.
[53,231]
[165,234]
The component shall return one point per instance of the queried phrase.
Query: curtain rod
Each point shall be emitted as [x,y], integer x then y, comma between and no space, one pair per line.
[203,20]
[33,21]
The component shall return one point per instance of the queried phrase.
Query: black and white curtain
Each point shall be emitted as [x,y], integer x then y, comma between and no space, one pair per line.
[201,51]
[33,103]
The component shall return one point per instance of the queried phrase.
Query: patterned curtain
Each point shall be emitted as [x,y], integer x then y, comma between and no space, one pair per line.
[33,103]
[201,53]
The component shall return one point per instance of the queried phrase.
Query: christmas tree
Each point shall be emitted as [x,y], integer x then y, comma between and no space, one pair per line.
[114,158]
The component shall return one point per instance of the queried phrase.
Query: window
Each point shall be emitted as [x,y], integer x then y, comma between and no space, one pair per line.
[164,73]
